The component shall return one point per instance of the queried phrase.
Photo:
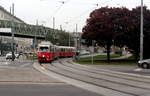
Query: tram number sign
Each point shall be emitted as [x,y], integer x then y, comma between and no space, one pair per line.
[6,30]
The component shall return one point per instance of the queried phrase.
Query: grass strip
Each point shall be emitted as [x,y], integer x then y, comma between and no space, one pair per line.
[102,60]
[98,57]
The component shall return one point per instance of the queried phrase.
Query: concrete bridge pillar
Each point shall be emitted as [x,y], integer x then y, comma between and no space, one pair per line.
[34,43]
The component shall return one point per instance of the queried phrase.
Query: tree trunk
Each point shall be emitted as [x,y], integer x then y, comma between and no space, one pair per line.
[108,51]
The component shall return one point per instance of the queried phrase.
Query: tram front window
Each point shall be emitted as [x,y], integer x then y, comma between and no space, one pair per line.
[44,49]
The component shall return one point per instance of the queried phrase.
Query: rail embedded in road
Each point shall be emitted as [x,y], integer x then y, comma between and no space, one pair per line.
[99,80]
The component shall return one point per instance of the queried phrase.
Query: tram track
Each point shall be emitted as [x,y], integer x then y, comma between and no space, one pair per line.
[65,71]
[54,69]
[123,83]
[120,75]
[107,78]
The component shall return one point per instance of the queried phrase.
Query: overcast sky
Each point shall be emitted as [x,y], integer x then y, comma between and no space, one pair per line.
[71,11]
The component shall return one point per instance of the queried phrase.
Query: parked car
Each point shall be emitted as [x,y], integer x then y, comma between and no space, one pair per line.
[85,52]
[144,63]
[9,55]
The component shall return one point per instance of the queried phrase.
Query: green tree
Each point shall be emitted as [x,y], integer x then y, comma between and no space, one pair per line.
[133,36]
[60,37]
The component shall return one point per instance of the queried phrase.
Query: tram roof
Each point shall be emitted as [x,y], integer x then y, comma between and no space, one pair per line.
[67,47]
[46,43]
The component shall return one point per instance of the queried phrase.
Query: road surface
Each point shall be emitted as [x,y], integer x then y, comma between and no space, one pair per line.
[102,81]
[20,78]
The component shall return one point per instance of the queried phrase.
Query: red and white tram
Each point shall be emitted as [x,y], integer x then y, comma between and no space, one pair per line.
[47,52]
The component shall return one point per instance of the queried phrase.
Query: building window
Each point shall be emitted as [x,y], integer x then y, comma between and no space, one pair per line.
[1,15]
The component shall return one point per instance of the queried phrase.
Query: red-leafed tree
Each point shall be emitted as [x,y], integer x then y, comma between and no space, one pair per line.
[107,24]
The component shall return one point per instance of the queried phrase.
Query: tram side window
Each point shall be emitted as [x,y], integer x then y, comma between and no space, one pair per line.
[63,50]
[44,49]
[51,48]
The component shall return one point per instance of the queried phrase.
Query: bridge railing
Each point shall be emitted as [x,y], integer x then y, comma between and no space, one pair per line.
[25,29]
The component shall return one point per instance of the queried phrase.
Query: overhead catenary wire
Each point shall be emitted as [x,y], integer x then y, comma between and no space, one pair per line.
[96,5]
[83,13]
[74,19]
[57,10]
[62,3]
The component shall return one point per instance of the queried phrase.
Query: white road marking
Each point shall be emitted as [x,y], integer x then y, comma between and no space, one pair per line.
[25,65]
[138,69]
[4,63]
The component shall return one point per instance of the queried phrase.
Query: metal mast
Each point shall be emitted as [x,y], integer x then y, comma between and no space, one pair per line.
[141,32]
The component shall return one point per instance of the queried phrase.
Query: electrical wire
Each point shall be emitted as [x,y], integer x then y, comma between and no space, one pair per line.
[79,16]
[74,20]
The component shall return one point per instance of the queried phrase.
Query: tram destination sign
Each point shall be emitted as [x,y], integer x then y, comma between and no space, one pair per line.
[6,30]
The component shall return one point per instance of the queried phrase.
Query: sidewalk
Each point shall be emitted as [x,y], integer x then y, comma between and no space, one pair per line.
[20,59]
[121,57]
[26,75]
[95,54]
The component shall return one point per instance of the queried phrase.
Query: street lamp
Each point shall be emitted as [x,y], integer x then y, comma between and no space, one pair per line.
[141,32]
[68,34]
[12,43]
[43,29]
[35,38]
[69,39]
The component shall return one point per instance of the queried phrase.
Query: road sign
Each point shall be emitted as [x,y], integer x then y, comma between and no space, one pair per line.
[6,30]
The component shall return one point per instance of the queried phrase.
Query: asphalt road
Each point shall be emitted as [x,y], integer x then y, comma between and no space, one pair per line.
[20,78]
[125,69]
[105,80]
[42,90]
